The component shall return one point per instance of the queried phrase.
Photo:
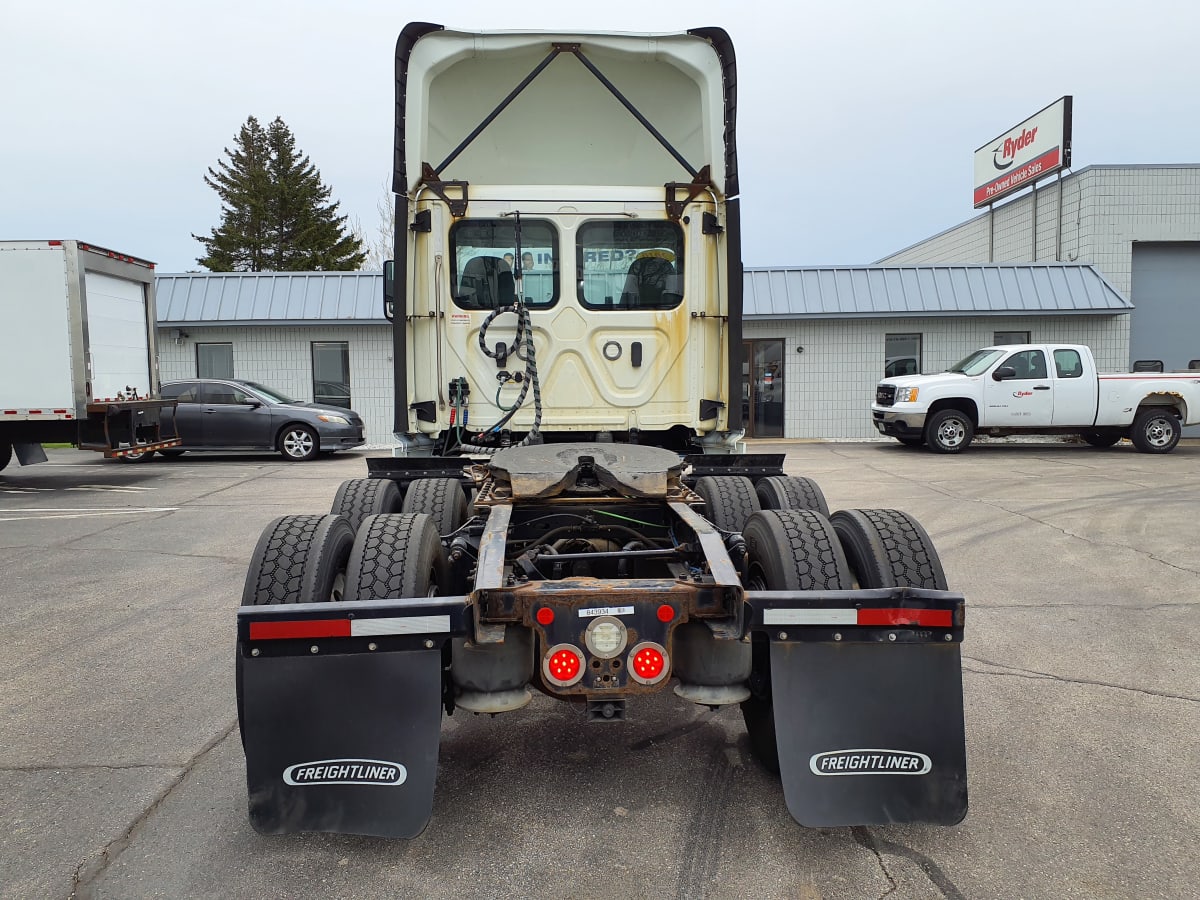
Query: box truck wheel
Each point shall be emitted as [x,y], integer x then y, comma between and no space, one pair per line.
[5,454]
[888,548]
[358,498]
[788,550]
[1155,430]
[442,498]
[299,559]
[729,500]
[791,492]
[298,443]
[397,555]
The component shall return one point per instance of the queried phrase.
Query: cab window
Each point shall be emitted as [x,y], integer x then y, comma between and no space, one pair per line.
[1068,364]
[483,262]
[630,265]
[1028,364]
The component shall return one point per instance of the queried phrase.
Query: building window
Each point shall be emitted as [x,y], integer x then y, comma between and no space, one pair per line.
[902,355]
[1001,338]
[331,373]
[214,360]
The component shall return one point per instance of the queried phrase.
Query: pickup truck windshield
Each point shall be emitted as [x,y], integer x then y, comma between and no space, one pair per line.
[977,363]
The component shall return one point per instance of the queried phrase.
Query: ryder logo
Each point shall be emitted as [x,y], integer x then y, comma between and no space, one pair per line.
[346,771]
[1007,149]
[1020,394]
[870,762]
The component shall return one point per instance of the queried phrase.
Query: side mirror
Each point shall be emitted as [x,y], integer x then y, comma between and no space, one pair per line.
[1003,373]
[253,404]
[389,289]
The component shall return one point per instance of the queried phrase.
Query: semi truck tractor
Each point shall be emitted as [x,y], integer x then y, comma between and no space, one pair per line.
[78,362]
[567,512]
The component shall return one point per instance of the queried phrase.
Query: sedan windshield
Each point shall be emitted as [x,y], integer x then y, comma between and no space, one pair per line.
[977,363]
[269,393]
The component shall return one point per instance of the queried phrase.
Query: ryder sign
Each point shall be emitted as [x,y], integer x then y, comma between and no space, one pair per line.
[1034,149]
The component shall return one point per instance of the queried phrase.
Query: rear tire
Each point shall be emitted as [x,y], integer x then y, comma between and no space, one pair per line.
[396,556]
[791,492]
[442,498]
[1155,430]
[299,559]
[361,497]
[949,431]
[788,550]
[729,500]
[888,548]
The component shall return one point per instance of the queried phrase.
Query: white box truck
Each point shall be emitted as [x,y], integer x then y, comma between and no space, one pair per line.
[78,362]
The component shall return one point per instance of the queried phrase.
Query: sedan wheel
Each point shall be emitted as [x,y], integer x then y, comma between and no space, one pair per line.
[298,443]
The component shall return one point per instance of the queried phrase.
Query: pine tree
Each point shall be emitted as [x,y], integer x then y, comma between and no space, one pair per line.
[276,215]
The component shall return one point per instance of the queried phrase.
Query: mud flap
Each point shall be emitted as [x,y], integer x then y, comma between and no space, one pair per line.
[343,739]
[869,720]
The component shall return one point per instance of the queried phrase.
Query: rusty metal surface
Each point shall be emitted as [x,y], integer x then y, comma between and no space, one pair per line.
[719,563]
[489,572]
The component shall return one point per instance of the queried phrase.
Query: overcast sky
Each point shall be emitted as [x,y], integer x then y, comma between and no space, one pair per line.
[856,121]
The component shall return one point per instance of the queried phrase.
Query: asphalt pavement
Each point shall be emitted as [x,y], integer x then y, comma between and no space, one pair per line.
[121,771]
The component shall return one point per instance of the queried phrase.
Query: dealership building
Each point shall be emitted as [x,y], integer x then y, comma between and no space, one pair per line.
[1107,256]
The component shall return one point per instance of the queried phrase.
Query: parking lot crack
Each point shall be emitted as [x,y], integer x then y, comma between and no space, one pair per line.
[88,871]
[1016,672]
[93,767]
[880,846]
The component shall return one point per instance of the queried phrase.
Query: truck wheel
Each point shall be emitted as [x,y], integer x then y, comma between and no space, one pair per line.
[138,457]
[397,556]
[1155,430]
[5,455]
[299,559]
[791,492]
[1099,438]
[888,548]
[789,550]
[361,497]
[442,498]
[729,500]
[299,443]
[949,431]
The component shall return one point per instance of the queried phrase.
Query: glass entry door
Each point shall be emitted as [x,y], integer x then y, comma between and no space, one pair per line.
[762,388]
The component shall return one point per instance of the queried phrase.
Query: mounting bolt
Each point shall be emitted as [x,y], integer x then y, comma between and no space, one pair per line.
[429,645]
[837,635]
[255,652]
[949,637]
[313,649]
[892,636]
[783,635]
[372,646]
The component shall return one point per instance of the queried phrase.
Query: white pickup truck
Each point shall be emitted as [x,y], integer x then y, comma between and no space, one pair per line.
[1037,389]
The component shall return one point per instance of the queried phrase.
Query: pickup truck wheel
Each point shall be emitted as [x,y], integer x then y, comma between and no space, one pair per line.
[398,555]
[1155,430]
[442,498]
[729,500]
[791,492]
[140,456]
[358,498]
[949,431]
[888,548]
[788,550]
[299,559]
[1099,438]
[5,455]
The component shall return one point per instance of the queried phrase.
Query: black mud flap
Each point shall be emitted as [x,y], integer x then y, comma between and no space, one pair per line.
[343,738]
[869,724]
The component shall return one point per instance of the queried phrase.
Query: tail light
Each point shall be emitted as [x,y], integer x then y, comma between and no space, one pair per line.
[648,663]
[563,665]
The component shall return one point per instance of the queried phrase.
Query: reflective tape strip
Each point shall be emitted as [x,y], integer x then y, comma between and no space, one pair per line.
[810,617]
[400,625]
[928,618]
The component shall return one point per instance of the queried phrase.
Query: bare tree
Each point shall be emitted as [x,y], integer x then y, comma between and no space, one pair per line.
[379,245]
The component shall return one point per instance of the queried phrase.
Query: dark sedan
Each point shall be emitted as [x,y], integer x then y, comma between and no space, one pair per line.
[228,414]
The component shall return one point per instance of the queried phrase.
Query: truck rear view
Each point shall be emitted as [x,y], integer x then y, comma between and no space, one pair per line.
[566,304]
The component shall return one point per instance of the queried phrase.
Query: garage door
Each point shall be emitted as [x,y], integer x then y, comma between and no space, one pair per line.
[1166,296]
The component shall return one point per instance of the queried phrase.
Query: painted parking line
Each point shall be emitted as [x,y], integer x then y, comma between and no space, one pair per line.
[38,514]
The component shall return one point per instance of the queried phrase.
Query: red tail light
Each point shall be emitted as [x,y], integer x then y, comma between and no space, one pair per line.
[563,665]
[648,663]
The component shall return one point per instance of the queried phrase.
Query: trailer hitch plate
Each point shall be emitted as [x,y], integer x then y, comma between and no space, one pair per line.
[341,742]
[870,733]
